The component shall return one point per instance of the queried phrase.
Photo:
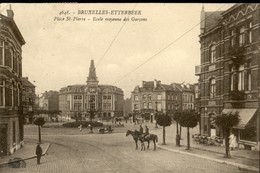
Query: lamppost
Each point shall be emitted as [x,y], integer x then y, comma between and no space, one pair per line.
[178,138]
[205,115]
[156,114]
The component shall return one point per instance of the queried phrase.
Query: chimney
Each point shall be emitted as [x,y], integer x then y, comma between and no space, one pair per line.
[10,13]
[202,20]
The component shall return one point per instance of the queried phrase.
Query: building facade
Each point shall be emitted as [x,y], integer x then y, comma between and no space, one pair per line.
[153,97]
[28,99]
[11,118]
[229,70]
[127,107]
[106,101]
[49,101]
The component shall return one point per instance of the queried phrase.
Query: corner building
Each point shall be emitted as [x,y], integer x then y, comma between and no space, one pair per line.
[106,101]
[11,117]
[229,71]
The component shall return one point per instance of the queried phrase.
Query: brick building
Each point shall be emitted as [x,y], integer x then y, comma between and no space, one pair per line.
[11,118]
[229,70]
[49,101]
[28,99]
[154,97]
[105,101]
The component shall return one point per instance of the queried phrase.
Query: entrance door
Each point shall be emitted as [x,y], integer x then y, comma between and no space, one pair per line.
[3,139]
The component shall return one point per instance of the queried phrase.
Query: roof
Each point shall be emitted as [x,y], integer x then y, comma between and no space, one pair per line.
[10,22]
[26,82]
[212,19]
[183,87]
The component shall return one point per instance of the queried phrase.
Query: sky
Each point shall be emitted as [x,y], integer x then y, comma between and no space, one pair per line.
[58,53]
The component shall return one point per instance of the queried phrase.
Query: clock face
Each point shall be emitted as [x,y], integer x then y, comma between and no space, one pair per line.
[92,90]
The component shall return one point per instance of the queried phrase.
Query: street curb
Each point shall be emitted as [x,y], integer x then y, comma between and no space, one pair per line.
[31,157]
[240,166]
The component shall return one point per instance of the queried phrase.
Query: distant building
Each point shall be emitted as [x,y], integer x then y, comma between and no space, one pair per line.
[153,97]
[127,107]
[28,99]
[11,118]
[229,70]
[105,101]
[49,101]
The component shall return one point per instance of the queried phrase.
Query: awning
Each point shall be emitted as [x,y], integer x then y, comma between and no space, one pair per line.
[244,114]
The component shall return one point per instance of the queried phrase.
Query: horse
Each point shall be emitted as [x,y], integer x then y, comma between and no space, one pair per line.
[150,137]
[135,136]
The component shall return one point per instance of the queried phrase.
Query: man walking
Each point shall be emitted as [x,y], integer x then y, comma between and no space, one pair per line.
[38,153]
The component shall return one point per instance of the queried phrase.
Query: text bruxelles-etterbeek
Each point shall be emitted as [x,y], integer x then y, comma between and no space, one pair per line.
[111,12]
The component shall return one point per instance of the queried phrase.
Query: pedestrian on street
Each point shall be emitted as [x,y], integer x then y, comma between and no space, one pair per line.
[80,128]
[232,141]
[91,128]
[38,153]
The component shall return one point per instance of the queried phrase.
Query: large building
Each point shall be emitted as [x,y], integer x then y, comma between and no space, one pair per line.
[11,119]
[154,97]
[229,70]
[106,101]
[28,99]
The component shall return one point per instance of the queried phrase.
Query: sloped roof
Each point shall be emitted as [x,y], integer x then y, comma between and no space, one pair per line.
[212,19]
[27,83]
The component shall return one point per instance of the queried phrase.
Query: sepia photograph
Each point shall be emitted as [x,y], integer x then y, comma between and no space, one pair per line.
[129,87]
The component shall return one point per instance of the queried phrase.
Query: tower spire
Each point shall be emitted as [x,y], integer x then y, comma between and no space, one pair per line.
[92,77]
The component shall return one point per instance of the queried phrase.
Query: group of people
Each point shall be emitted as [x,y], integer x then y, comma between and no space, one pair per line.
[89,126]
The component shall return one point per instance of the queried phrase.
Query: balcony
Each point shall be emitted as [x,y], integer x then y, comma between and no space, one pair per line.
[237,95]
[237,51]
[197,70]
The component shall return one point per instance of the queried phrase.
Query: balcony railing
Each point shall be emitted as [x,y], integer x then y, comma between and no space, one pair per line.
[237,95]
[237,50]
[197,70]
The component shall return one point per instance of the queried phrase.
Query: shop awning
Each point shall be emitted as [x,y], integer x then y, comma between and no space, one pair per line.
[245,116]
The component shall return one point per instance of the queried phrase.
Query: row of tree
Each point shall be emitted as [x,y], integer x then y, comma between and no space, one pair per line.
[190,119]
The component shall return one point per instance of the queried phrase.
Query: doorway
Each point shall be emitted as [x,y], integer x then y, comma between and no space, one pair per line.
[3,139]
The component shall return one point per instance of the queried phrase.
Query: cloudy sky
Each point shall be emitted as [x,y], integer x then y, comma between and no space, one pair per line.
[58,53]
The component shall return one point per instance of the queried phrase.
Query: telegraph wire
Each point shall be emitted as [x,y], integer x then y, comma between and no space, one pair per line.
[160,51]
[113,40]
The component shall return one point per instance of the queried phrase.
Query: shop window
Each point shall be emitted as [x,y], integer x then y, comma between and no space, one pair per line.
[248,134]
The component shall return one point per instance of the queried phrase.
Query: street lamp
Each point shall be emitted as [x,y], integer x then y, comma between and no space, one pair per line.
[178,138]
[156,114]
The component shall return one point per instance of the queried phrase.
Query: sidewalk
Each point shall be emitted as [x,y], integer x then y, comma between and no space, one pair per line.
[241,158]
[26,152]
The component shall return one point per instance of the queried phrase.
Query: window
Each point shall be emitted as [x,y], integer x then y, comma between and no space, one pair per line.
[77,97]
[169,106]
[150,105]
[241,36]
[241,78]
[136,97]
[212,54]
[249,81]
[232,79]
[107,105]
[104,97]
[144,97]
[92,105]
[149,97]
[1,52]
[77,105]
[145,105]
[159,96]
[250,32]
[136,106]
[233,38]
[92,98]
[212,86]
[109,97]
[2,97]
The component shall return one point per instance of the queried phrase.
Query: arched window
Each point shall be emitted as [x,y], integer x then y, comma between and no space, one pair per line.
[212,54]
[212,87]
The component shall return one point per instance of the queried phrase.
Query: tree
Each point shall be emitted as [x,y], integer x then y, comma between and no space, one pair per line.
[176,118]
[226,121]
[164,120]
[189,120]
[39,122]
[197,114]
